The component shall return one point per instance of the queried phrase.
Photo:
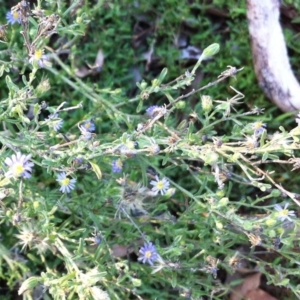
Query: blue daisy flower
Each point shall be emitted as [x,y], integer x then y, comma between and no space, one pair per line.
[19,165]
[55,122]
[148,254]
[13,17]
[89,125]
[66,184]
[117,166]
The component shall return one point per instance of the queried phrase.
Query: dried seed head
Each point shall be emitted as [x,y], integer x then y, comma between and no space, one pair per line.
[254,239]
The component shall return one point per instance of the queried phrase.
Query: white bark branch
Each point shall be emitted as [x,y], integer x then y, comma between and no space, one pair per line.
[270,57]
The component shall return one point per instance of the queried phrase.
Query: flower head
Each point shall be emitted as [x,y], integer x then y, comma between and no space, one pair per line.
[154,149]
[55,122]
[77,161]
[160,186]
[283,213]
[259,127]
[19,165]
[117,166]
[95,239]
[66,184]
[13,17]
[207,103]
[27,236]
[89,125]
[254,239]
[86,135]
[251,141]
[148,254]
[152,111]
[128,148]
[40,58]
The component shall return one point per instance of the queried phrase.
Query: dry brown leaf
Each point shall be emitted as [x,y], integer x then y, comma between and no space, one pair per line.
[259,294]
[120,250]
[250,283]
[84,71]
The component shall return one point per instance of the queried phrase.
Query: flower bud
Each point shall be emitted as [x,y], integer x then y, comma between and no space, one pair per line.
[144,95]
[155,82]
[272,233]
[211,50]
[206,102]
[219,225]
[180,104]
[224,201]
[143,85]
[270,222]
[170,192]
[43,87]
[211,158]
[136,282]
[79,20]
[36,205]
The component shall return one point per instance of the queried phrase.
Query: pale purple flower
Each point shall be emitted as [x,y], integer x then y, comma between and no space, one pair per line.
[154,149]
[160,185]
[259,127]
[55,122]
[19,165]
[283,213]
[77,161]
[97,239]
[86,134]
[89,125]
[117,166]
[152,110]
[66,184]
[128,148]
[40,58]
[13,17]
[148,254]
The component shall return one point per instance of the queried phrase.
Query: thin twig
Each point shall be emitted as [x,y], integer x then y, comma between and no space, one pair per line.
[283,190]
[202,88]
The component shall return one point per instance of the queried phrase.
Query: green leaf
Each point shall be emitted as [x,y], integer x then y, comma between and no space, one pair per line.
[48,162]
[166,159]
[29,284]
[272,156]
[248,225]
[284,282]
[11,86]
[140,106]
[96,169]
[80,247]
[170,98]
[162,75]
[174,280]
[265,156]
[4,182]
[36,109]
[24,80]
[237,122]
[2,70]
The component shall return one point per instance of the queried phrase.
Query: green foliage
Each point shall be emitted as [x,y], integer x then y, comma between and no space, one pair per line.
[117,163]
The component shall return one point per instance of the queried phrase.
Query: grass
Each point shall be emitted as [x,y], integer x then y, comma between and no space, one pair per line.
[224,177]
